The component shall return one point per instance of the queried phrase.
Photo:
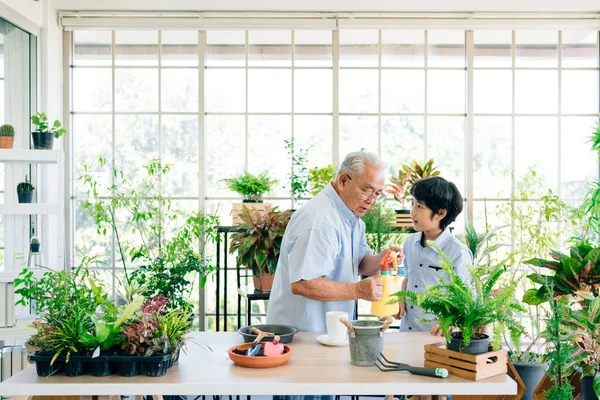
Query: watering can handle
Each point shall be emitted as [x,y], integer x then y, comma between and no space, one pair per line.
[388,321]
[348,325]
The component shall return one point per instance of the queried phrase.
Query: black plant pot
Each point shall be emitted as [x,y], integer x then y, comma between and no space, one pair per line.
[129,367]
[156,365]
[587,387]
[75,366]
[24,197]
[42,364]
[42,140]
[252,201]
[476,346]
[101,366]
[34,247]
[531,375]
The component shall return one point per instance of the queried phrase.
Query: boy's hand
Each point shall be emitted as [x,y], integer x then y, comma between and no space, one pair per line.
[436,331]
[401,310]
[399,252]
[371,288]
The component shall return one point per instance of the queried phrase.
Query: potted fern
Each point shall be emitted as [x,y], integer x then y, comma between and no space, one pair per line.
[469,308]
[251,188]
[258,243]
[25,191]
[7,136]
[44,135]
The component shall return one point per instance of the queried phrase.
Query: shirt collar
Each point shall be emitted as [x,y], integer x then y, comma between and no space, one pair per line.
[339,204]
[440,241]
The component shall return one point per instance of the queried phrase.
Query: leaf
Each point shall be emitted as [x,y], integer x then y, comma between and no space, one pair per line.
[531,297]
[596,383]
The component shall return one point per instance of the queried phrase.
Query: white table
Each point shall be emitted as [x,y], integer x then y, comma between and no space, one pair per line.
[312,369]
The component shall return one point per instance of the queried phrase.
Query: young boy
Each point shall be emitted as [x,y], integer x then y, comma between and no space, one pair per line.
[436,204]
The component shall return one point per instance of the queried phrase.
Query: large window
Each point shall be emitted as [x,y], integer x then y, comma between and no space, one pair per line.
[487,105]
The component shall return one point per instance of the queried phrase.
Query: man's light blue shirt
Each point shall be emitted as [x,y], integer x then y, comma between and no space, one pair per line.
[323,239]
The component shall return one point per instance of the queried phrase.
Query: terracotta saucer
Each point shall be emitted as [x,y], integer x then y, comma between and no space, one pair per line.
[258,361]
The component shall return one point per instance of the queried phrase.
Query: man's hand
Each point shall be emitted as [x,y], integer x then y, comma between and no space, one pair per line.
[401,310]
[371,288]
[399,253]
[436,331]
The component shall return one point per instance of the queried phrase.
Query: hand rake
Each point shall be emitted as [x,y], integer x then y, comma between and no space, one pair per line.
[386,365]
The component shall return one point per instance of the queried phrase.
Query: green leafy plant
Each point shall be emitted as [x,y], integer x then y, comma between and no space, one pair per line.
[24,187]
[378,226]
[259,238]
[319,177]
[139,334]
[40,120]
[250,187]
[299,172]
[408,174]
[7,130]
[169,259]
[454,303]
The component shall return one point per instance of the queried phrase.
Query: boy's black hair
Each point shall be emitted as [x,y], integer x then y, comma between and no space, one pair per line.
[438,193]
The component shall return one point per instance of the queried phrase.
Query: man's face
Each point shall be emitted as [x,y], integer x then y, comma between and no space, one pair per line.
[361,191]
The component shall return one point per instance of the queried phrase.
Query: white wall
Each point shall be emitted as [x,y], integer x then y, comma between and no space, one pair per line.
[29,9]
[332,5]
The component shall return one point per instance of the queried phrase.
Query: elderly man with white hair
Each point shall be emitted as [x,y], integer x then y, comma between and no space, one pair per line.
[324,249]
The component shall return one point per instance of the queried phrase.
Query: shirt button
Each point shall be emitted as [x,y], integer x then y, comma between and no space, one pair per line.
[411,307]
[416,286]
[420,265]
[410,328]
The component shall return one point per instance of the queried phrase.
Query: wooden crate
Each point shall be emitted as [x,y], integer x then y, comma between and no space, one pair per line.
[403,221]
[546,383]
[236,209]
[512,372]
[464,365]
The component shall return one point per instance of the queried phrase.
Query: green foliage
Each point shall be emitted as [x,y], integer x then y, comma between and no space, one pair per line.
[7,130]
[165,260]
[40,120]
[595,139]
[35,240]
[563,392]
[455,303]
[481,244]
[299,172]
[24,187]
[259,240]
[318,178]
[250,187]
[408,174]
[378,226]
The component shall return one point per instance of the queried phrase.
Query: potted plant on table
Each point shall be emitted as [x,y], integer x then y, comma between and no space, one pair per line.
[319,177]
[25,191]
[258,243]
[454,304]
[7,136]
[251,188]
[44,135]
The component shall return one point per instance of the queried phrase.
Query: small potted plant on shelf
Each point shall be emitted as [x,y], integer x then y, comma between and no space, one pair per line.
[7,136]
[469,308]
[258,243]
[251,188]
[34,245]
[319,177]
[25,191]
[44,135]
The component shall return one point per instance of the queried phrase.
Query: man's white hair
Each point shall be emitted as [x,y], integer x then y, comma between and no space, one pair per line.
[355,163]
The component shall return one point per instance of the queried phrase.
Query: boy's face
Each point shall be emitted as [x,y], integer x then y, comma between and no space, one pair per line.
[423,217]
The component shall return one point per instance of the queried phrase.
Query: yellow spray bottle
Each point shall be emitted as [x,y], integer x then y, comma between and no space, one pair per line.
[379,307]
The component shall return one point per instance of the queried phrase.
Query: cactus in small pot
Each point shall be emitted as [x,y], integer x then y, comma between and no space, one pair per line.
[25,191]
[7,136]
[34,245]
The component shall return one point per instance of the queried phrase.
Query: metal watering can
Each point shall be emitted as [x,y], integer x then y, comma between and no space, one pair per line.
[366,340]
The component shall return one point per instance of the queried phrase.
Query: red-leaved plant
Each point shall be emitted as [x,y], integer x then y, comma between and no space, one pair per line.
[139,333]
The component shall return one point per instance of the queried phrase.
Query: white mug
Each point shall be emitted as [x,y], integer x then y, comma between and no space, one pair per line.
[336,331]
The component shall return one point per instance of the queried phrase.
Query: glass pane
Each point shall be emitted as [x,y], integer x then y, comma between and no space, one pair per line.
[446,144]
[313,132]
[536,92]
[270,48]
[92,89]
[86,238]
[492,138]
[179,90]
[402,91]
[136,89]
[313,49]
[487,211]
[579,92]
[446,48]
[225,90]
[358,133]
[492,91]
[579,49]
[579,166]
[269,90]
[358,48]
[179,142]
[358,91]
[536,48]
[225,48]
[267,131]
[136,143]
[446,92]
[536,147]
[225,151]
[492,48]
[179,48]
[404,140]
[87,148]
[402,48]
[136,48]
[313,91]
[92,48]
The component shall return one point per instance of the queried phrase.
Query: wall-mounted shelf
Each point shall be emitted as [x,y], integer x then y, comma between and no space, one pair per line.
[29,208]
[29,156]
[16,333]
